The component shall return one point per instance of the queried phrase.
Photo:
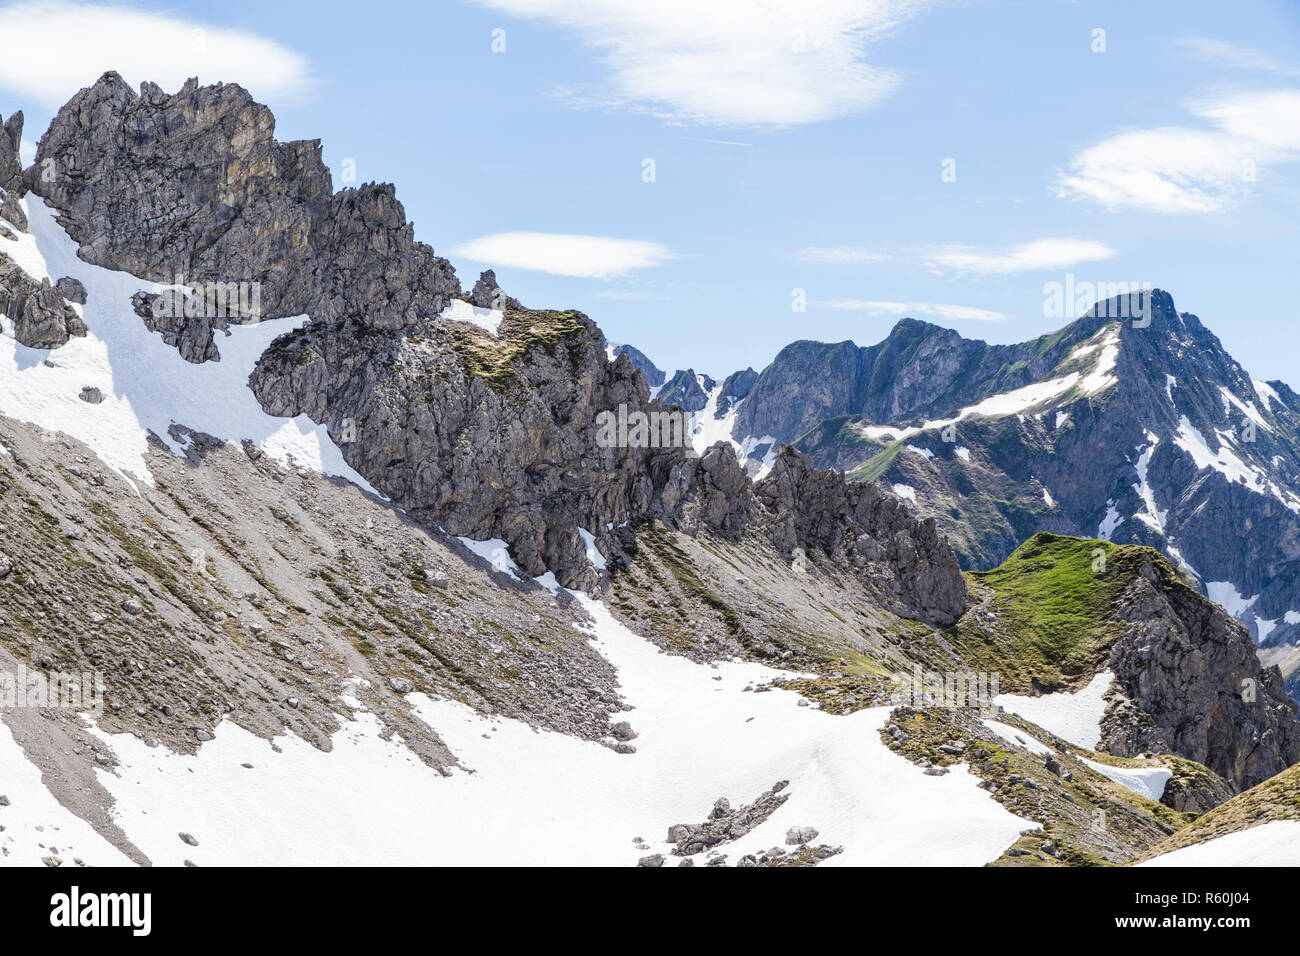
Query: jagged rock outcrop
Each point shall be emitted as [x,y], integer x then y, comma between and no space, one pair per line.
[486,294]
[688,390]
[11,168]
[193,187]
[735,389]
[726,824]
[481,446]
[1189,682]
[40,316]
[654,376]
[185,322]
[71,289]
[861,526]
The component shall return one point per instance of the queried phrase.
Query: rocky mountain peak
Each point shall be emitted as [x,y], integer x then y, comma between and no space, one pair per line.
[193,188]
[11,136]
[486,294]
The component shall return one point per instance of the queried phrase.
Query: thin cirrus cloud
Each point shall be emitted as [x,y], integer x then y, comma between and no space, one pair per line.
[1035,256]
[841,255]
[56,48]
[730,63]
[1190,169]
[1236,56]
[585,257]
[941,310]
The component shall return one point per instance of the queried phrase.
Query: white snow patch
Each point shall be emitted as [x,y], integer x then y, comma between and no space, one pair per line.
[923,452]
[1291,617]
[489,320]
[1017,737]
[1152,517]
[1021,399]
[1266,394]
[593,552]
[1073,717]
[1100,377]
[1047,497]
[1224,460]
[962,452]
[1226,595]
[905,491]
[1170,382]
[1109,523]
[1276,843]
[707,429]
[146,384]
[543,798]
[36,825]
[1177,555]
[1062,418]
[1246,408]
[496,553]
[1147,781]
[1265,628]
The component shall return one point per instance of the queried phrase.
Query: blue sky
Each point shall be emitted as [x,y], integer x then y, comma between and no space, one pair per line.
[802,148]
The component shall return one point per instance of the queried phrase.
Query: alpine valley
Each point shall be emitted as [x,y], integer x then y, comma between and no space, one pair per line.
[340,541]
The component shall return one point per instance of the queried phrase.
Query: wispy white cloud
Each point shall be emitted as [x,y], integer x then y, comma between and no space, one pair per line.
[630,295]
[1035,256]
[1175,169]
[1236,56]
[53,49]
[717,142]
[588,257]
[841,255]
[942,310]
[731,63]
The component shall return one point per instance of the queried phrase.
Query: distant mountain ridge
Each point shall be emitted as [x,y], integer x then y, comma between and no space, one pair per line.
[1144,432]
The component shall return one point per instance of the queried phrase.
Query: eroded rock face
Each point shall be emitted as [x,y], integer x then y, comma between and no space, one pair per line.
[71,289]
[187,331]
[11,136]
[194,188]
[40,316]
[486,294]
[654,376]
[1192,674]
[688,390]
[508,452]
[860,525]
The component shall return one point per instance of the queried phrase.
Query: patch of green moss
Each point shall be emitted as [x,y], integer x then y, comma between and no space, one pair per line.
[1053,600]
[521,331]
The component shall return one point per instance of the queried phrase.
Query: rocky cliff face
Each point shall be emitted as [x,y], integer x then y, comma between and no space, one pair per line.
[42,317]
[859,526]
[193,188]
[688,390]
[11,136]
[1185,661]
[1186,676]
[654,376]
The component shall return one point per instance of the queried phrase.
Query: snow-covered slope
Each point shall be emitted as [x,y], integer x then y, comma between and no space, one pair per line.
[146,385]
[1276,843]
[525,796]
